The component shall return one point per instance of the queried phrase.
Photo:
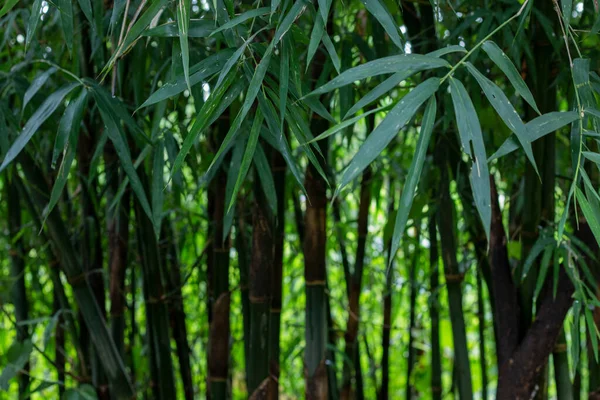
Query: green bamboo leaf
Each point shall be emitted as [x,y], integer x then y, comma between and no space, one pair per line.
[509,69]
[37,119]
[86,7]
[284,78]
[537,128]
[157,192]
[7,7]
[247,157]
[295,12]
[207,111]
[69,124]
[35,86]
[232,175]
[544,267]
[505,110]
[593,331]
[382,14]
[17,357]
[197,28]
[378,140]
[135,32]
[588,213]
[261,165]
[235,58]
[414,174]
[199,72]
[66,19]
[538,247]
[335,60]
[113,130]
[123,185]
[567,10]
[474,146]
[34,20]
[257,12]
[183,23]
[316,35]
[49,330]
[344,124]
[381,66]
[253,89]
[379,91]
[447,50]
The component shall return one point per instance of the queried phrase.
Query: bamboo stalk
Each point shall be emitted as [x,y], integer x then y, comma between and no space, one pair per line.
[243,252]
[454,277]
[17,272]
[564,387]
[410,390]
[482,337]
[434,313]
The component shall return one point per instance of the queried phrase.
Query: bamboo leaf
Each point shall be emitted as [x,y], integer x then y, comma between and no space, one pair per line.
[567,9]
[509,69]
[35,86]
[261,164]
[297,9]
[537,128]
[414,174]
[34,20]
[257,12]
[247,157]
[158,165]
[544,266]
[17,356]
[332,53]
[206,112]
[506,111]
[7,7]
[379,91]
[86,7]
[381,66]
[232,176]
[588,213]
[66,18]
[199,73]
[197,28]
[593,331]
[378,140]
[473,145]
[540,245]
[447,50]
[113,130]
[235,57]
[284,78]
[253,88]
[183,23]
[69,124]
[382,14]
[37,119]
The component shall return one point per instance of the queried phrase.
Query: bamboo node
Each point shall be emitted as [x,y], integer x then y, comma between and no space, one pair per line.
[258,299]
[315,283]
[217,379]
[454,278]
[276,310]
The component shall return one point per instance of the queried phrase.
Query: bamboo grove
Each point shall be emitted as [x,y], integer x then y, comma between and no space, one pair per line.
[350,199]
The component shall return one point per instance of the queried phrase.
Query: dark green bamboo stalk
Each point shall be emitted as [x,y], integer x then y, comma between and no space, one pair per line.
[355,286]
[412,279]
[157,313]
[564,387]
[383,393]
[278,169]
[17,272]
[59,343]
[260,293]
[434,313]
[482,337]
[219,303]
[454,278]
[176,310]
[241,246]
[57,232]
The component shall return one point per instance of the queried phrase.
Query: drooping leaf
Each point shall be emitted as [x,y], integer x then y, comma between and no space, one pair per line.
[541,244]
[261,165]
[235,57]
[69,124]
[566,9]
[35,86]
[588,213]
[257,12]
[378,140]
[7,7]
[379,91]
[509,69]
[66,19]
[381,66]
[86,7]
[414,174]
[382,14]
[17,356]
[247,157]
[197,28]
[183,24]
[115,134]
[37,119]
[232,176]
[34,20]
[447,50]
[157,192]
[537,128]
[474,146]
[506,111]
[199,73]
